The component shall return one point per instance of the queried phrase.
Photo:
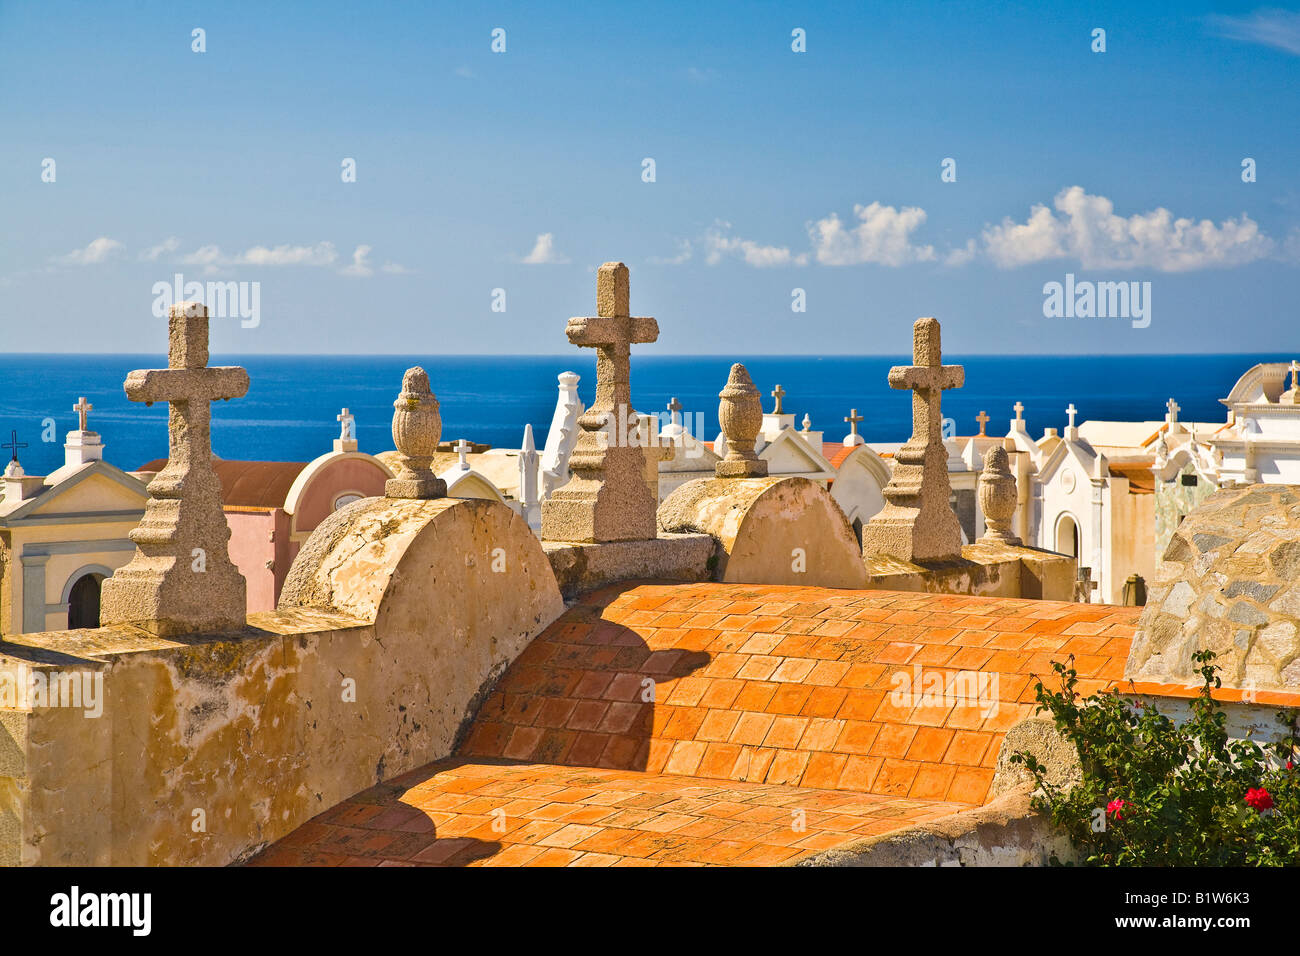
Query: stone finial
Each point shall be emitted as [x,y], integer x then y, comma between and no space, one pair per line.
[181,579]
[807,423]
[607,498]
[917,522]
[997,497]
[417,427]
[1292,395]
[740,412]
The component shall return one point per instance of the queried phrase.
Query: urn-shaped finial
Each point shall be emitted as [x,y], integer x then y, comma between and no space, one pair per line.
[997,497]
[417,427]
[740,413]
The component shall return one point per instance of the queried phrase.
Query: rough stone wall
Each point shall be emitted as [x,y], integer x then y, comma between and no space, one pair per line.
[769,530]
[394,625]
[1229,581]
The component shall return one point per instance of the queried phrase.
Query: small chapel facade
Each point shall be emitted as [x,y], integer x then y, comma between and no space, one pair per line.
[62,534]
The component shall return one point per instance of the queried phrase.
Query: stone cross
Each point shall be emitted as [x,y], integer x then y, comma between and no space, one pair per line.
[778,393]
[853,418]
[607,498]
[1174,409]
[82,408]
[1020,414]
[1072,411]
[462,449]
[14,444]
[674,408]
[347,425]
[181,579]
[917,522]
[983,420]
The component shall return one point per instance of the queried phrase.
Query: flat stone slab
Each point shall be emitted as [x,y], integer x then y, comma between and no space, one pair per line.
[580,567]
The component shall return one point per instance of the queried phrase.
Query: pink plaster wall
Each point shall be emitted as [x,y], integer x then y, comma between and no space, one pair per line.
[317,502]
[255,538]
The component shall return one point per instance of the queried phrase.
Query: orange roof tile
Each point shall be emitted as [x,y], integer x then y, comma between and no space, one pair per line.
[664,711]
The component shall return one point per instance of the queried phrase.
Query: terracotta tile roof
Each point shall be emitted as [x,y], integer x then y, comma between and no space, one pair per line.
[255,484]
[760,697]
[1141,480]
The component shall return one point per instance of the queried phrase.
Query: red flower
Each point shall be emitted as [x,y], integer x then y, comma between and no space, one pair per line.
[1114,808]
[1259,799]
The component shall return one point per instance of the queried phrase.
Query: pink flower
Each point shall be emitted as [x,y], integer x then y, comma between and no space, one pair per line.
[1259,799]
[1114,808]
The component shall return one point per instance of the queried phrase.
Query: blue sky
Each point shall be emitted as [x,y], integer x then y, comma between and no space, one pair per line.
[775,170]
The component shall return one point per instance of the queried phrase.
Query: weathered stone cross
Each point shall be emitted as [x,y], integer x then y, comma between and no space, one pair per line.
[607,498]
[82,408]
[983,420]
[853,418]
[917,522]
[1020,411]
[1174,409]
[778,393]
[181,578]
[674,408]
[462,449]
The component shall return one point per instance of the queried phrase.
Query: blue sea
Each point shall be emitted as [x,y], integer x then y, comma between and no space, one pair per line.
[289,412]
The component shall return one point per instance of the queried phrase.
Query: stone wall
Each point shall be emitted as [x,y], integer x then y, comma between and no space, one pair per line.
[1229,581]
[396,620]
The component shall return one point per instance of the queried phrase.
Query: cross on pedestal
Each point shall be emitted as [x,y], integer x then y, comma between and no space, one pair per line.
[983,420]
[853,419]
[607,499]
[1072,411]
[778,393]
[13,445]
[462,450]
[1020,414]
[917,522]
[181,578]
[1174,409]
[83,409]
[674,409]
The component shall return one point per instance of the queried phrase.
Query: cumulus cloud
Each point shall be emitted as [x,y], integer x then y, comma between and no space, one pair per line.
[883,236]
[719,245]
[360,266]
[544,252]
[1279,29]
[213,259]
[99,250]
[1086,227]
[164,248]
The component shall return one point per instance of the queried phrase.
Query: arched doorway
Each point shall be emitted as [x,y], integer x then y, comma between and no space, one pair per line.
[1067,536]
[83,601]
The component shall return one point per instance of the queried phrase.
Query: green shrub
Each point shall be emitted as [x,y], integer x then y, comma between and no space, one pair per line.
[1159,793]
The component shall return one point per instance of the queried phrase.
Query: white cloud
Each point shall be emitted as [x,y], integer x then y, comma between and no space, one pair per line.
[1088,229]
[959,257]
[882,236]
[360,266]
[1279,29]
[718,245]
[213,259]
[544,252]
[321,254]
[99,250]
[167,246]
[394,268]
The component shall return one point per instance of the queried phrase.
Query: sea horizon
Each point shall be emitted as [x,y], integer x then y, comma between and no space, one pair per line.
[290,411]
